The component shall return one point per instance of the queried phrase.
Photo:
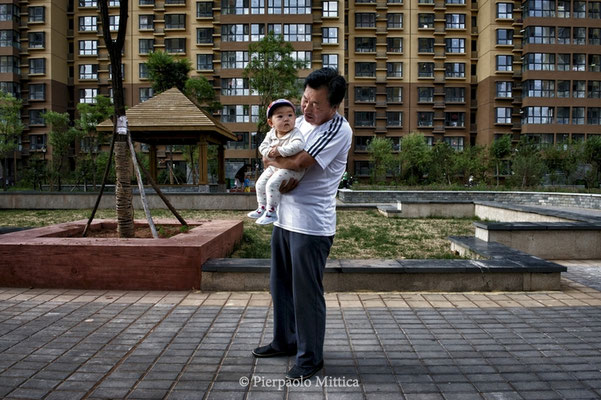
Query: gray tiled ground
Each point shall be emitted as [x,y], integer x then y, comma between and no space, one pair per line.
[113,346]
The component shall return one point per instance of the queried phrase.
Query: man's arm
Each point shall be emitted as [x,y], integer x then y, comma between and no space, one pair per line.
[296,162]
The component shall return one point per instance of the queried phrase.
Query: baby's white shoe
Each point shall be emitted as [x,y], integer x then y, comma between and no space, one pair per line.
[269,218]
[258,213]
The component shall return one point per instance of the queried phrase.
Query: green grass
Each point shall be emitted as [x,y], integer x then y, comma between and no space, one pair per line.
[360,234]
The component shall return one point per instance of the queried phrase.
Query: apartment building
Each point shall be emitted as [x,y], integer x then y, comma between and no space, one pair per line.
[456,70]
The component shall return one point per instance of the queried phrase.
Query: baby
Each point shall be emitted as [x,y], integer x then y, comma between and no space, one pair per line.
[284,140]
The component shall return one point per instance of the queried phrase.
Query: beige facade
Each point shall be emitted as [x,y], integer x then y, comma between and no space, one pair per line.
[457,70]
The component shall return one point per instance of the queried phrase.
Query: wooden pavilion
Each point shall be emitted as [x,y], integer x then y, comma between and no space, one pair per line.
[170,118]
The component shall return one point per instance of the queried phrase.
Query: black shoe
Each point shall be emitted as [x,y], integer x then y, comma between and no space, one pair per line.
[268,351]
[298,374]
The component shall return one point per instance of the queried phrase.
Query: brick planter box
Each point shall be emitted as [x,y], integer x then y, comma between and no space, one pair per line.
[55,257]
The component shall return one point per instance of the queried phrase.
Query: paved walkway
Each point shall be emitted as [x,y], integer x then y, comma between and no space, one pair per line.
[69,344]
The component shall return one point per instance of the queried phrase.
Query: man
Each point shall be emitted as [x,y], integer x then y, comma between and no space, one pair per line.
[304,233]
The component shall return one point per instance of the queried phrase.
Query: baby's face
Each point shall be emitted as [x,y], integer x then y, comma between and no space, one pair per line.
[283,119]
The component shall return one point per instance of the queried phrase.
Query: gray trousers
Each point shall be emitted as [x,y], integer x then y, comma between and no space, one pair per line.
[299,308]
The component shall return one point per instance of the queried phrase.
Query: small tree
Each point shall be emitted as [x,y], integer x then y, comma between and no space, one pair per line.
[471,162]
[166,72]
[200,90]
[442,165]
[10,129]
[415,157]
[62,137]
[500,150]
[527,166]
[272,73]
[381,158]
[592,156]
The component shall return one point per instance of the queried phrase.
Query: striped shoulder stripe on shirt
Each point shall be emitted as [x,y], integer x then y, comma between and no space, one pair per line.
[326,137]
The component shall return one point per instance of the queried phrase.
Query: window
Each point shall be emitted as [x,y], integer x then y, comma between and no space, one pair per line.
[146,45]
[113,23]
[146,22]
[564,34]
[594,89]
[88,95]
[594,35]
[505,10]
[365,69]
[235,87]
[88,71]
[425,94]
[143,71]
[394,20]
[425,118]
[454,142]
[454,70]
[175,45]
[117,3]
[539,8]
[425,70]
[204,9]
[455,45]
[35,118]
[175,2]
[37,142]
[234,59]
[540,34]
[425,21]
[122,71]
[235,113]
[10,38]
[145,94]
[394,118]
[146,2]
[329,9]
[563,8]
[563,89]
[88,47]
[504,63]
[394,94]
[204,61]
[578,62]
[241,143]
[37,40]
[361,142]
[579,35]
[503,115]
[88,24]
[297,6]
[504,36]
[88,3]
[455,21]
[36,14]
[454,119]
[394,45]
[365,119]
[578,115]
[504,89]
[302,56]
[539,88]
[329,35]
[365,94]
[563,62]
[537,115]
[239,7]
[593,116]
[425,45]
[10,65]
[37,65]
[329,60]
[394,69]
[539,62]
[580,9]
[37,91]
[10,12]
[579,89]
[175,21]
[563,115]
[297,32]
[594,9]
[257,7]
[365,20]
[257,32]
[362,168]
[205,35]
[229,33]
[454,94]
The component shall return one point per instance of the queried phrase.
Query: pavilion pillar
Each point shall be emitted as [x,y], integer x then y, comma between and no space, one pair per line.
[203,162]
[152,161]
[221,164]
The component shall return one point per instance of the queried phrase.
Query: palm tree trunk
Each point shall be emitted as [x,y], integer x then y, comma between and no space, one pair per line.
[123,190]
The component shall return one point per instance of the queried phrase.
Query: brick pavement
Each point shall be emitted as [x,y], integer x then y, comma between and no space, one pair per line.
[69,344]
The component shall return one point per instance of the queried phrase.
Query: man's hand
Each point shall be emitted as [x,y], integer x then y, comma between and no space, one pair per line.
[273,153]
[289,185]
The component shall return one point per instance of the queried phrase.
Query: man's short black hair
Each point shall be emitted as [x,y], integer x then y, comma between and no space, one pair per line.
[330,79]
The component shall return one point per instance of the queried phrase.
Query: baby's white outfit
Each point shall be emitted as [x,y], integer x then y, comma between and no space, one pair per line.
[268,184]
